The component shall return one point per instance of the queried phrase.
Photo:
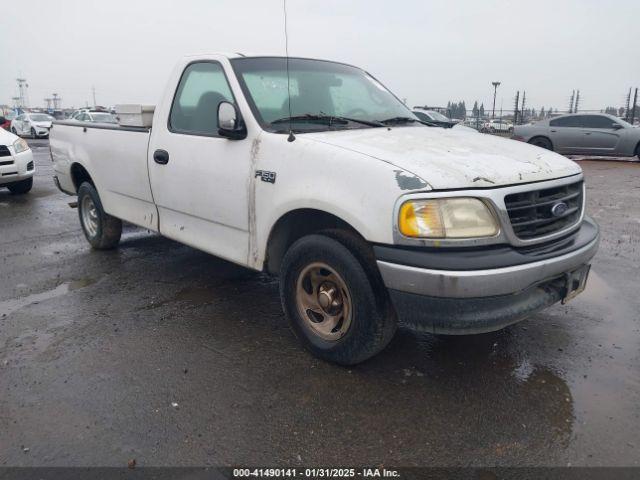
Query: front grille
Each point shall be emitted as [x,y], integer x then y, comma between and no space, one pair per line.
[4,151]
[530,212]
[29,166]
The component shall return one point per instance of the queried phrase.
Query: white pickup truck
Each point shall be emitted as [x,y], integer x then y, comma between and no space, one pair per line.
[324,177]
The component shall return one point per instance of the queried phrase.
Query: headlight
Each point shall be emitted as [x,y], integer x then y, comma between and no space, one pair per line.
[20,145]
[447,218]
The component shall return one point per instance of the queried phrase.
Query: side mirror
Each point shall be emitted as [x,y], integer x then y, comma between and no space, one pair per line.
[230,125]
[617,126]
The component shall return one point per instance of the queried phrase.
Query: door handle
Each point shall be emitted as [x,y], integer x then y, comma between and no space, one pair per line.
[161,157]
[587,133]
[553,131]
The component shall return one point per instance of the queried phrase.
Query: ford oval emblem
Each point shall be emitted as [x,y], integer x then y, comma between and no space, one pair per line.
[559,209]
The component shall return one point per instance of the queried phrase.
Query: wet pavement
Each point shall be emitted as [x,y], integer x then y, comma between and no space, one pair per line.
[158,352]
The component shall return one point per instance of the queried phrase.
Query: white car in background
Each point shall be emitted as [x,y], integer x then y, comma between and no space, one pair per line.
[32,124]
[497,125]
[94,116]
[16,163]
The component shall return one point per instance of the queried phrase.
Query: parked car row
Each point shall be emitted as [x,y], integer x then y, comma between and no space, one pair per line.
[38,125]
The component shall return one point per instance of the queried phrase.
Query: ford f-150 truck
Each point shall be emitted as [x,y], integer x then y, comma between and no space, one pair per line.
[314,171]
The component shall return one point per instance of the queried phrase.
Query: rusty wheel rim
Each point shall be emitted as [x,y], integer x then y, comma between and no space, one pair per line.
[323,301]
[89,216]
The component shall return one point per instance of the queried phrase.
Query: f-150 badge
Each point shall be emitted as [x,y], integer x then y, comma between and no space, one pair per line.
[266,176]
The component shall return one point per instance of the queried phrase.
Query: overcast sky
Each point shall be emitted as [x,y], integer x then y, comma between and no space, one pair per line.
[424,50]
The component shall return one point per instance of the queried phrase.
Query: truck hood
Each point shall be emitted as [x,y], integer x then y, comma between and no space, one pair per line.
[451,158]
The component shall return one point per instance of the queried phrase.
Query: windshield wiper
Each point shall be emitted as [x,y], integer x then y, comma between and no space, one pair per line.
[401,120]
[328,119]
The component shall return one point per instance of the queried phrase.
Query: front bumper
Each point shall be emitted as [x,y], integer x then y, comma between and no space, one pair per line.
[41,131]
[17,167]
[460,300]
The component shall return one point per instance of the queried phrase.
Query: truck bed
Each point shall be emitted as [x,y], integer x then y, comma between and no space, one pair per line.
[115,157]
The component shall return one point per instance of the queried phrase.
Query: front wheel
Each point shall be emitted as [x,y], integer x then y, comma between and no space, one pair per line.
[541,142]
[101,229]
[33,133]
[335,305]
[23,186]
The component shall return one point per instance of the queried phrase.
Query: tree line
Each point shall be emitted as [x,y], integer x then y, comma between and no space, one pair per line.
[459,110]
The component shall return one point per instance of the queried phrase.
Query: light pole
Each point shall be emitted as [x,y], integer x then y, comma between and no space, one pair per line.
[495,90]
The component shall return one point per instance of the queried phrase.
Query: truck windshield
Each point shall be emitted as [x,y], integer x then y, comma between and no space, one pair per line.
[324,95]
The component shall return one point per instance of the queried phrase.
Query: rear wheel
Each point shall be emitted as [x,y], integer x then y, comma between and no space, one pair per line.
[101,229]
[23,186]
[335,304]
[541,142]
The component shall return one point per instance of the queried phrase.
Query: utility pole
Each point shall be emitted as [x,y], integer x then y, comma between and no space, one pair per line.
[93,90]
[22,82]
[524,96]
[633,109]
[626,112]
[575,107]
[573,95]
[495,90]
[56,101]
[48,102]
[16,102]
[515,110]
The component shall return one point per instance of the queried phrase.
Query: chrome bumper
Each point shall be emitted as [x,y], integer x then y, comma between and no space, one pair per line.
[482,283]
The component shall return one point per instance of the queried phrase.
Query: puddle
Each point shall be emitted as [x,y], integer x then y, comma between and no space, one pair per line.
[7,307]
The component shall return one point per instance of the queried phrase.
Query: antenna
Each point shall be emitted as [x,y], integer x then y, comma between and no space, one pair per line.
[291,137]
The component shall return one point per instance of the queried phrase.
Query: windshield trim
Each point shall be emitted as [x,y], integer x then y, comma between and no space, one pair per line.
[266,126]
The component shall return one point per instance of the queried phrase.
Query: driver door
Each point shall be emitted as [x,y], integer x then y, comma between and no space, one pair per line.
[199,179]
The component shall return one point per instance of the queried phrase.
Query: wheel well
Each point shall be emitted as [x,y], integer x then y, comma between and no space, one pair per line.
[541,136]
[294,225]
[79,175]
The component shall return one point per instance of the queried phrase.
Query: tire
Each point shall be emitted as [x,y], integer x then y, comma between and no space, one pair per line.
[33,133]
[638,152]
[101,229]
[365,321]
[542,142]
[21,187]
[14,131]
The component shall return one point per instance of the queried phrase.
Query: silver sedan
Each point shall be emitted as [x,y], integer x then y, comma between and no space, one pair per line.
[583,134]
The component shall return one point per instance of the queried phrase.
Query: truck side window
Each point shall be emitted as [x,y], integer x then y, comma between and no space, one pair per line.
[195,106]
